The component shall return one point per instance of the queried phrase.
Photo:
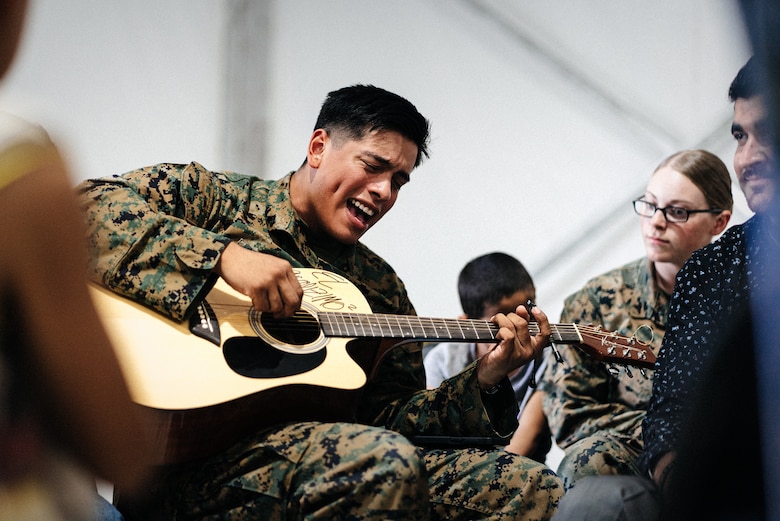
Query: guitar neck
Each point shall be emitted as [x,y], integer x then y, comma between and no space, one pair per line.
[427,329]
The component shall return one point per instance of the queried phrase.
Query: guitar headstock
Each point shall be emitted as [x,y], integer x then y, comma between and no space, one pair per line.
[615,349]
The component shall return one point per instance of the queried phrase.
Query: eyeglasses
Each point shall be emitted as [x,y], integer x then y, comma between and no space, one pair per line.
[672,214]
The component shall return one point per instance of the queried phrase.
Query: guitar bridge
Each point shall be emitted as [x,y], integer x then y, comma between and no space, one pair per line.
[204,324]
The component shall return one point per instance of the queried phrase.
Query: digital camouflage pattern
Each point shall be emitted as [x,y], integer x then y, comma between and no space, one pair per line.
[303,471]
[307,471]
[595,415]
[156,235]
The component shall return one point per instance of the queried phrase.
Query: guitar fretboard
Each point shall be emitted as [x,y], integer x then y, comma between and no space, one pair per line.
[426,329]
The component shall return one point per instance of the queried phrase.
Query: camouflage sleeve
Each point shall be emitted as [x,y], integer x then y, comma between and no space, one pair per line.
[577,393]
[149,233]
[456,407]
[396,397]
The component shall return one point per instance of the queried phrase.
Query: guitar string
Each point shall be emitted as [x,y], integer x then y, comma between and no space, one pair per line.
[305,321]
[436,323]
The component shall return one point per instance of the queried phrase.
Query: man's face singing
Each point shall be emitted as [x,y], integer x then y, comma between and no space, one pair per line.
[352,183]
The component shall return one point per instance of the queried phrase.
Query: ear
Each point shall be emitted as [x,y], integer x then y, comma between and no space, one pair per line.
[721,221]
[318,142]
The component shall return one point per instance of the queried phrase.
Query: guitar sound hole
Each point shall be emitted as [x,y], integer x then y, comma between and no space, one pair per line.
[300,329]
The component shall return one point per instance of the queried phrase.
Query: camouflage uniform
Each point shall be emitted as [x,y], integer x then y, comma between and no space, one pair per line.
[156,235]
[596,416]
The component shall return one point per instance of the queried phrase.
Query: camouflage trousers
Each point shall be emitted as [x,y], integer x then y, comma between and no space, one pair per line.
[601,454]
[342,471]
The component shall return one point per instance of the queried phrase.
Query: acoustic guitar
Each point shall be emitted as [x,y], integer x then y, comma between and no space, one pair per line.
[232,370]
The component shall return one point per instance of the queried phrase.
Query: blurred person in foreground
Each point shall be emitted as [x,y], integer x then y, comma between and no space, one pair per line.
[65,413]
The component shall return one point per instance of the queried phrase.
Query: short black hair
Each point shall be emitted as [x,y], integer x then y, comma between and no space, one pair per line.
[484,281]
[359,109]
[750,81]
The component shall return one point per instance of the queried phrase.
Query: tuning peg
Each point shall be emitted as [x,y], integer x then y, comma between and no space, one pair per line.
[614,371]
[628,372]
[556,354]
[643,373]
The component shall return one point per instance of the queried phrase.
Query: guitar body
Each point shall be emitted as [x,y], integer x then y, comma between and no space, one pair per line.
[201,397]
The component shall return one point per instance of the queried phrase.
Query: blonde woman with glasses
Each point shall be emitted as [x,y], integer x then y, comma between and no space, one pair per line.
[595,412]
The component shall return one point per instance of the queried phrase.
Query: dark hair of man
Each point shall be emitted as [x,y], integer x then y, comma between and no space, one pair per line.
[707,172]
[484,281]
[360,109]
[750,81]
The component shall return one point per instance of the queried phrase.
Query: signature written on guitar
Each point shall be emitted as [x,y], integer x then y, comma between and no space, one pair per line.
[321,288]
